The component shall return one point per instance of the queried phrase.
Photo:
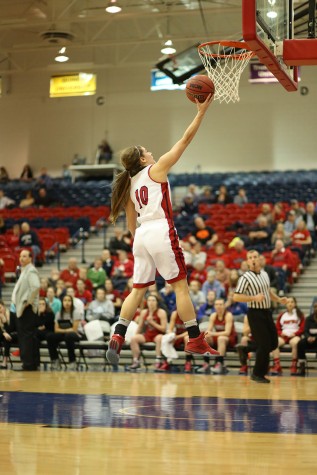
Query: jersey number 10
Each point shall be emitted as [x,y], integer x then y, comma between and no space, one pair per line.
[142,196]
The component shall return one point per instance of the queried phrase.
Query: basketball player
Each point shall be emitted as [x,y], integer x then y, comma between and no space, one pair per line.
[143,191]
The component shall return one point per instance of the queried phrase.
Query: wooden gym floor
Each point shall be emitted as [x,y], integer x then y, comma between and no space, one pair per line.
[145,423]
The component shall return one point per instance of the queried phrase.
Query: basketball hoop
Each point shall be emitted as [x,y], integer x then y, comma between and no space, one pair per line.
[225,62]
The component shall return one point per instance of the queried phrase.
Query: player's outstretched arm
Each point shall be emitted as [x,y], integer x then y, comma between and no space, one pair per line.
[162,167]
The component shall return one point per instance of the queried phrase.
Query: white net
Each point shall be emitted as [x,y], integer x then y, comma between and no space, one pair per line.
[225,62]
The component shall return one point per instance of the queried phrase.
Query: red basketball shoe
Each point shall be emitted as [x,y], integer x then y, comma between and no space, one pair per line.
[199,346]
[114,348]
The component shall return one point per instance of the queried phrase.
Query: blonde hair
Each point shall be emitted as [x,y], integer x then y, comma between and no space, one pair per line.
[130,160]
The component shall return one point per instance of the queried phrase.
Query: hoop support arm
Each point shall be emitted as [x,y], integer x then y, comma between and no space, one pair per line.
[301,52]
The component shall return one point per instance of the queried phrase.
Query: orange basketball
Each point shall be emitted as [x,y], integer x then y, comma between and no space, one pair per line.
[199,87]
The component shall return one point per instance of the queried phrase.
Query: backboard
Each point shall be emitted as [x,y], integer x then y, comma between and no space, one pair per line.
[266,24]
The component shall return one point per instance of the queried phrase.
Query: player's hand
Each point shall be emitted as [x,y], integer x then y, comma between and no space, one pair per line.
[259,297]
[203,106]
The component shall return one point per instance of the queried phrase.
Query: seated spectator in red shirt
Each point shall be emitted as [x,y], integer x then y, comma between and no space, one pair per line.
[278,213]
[199,272]
[217,253]
[43,286]
[83,275]
[82,293]
[301,241]
[236,253]
[202,233]
[122,270]
[13,237]
[71,274]
[283,261]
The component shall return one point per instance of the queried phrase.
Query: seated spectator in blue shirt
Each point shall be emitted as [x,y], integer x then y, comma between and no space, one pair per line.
[206,309]
[213,284]
[44,180]
[169,297]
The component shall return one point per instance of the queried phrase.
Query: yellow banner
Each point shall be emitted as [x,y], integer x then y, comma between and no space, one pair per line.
[80,84]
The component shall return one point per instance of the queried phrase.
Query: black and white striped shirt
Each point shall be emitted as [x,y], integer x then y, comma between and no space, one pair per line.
[252,283]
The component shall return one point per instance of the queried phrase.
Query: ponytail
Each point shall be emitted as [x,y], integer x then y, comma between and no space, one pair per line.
[130,159]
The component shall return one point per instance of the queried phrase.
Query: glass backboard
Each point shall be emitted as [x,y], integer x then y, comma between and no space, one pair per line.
[266,24]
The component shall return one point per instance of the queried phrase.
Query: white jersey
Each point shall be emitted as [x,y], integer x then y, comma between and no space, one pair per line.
[290,323]
[151,199]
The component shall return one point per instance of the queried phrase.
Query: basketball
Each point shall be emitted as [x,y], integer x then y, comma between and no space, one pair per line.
[199,87]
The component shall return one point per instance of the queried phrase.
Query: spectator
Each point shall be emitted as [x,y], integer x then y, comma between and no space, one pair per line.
[237,309]
[271,271]
[243,267]
[212,283]
[207,308]
[310,218]
[266,213]
[169,297]
[128,289]
[220,334]
[4,176]
[71,273]
[82,293]
[301,241]
[290,326]
[222,195]
[198,255]
[104,153]
[202,233]
[152,323]
[122,270]
[282,260]
[217,253]
[260,235]
[8,334]
[233,279]
[96,274]
[83,275]
[29,238]
[192,190]
[120,241]
[66,329]
[290,223]
[44,180]
[299,211]
[113,295]
[107,261]
[199,273]
[46,319]
[66,173]
[101,308]
[43,286]
[28,200]
[237,253]
[189,206]
[13,238]
[26,174]
[187,252]
[206,196]
[78,303]
[278,213]
[309,341]
[60,289]
[53,278]
[222,274]
[43,199]
[197,296]
[54,303]
[5,201]
[280,233]
[241,198]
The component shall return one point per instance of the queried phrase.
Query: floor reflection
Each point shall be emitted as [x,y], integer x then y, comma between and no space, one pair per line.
[178,413]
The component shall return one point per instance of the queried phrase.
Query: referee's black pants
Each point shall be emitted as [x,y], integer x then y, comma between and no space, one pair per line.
[264,332]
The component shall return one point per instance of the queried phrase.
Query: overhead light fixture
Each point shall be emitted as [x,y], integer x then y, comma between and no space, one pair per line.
[113,7]
[168,48]
[271,14]
[61,57]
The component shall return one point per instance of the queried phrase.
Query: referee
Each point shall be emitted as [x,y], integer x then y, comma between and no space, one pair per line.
[254,288]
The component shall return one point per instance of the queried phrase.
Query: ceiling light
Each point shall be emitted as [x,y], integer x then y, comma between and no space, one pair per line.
[168,48]
[113,7]
[271,14]
[61,57]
